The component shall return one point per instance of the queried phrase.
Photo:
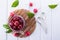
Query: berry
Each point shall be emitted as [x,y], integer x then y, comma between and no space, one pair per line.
[16,34]
[14,27]
[11,24]
[35,10]
[16,23]
[12,14]
[15,19]
[21,22]
[19,27]
[27,33]
[30,4]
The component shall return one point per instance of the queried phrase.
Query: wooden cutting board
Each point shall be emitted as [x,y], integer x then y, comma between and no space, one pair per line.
[30,22]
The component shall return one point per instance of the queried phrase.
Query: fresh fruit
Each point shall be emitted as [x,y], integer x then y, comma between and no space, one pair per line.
[35,10]
[19,27]
[30,4]
[15,18]
[27,33]
[11,24]
[11,14]
[16,23]
[16,34]
[14,27]
[20,21]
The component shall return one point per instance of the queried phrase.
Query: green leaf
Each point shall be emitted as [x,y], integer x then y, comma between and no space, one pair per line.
[6,26]
[15,3]
[30,14]
[52,6]
[9,31]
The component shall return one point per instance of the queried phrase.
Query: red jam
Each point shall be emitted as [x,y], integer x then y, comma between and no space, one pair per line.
[16,23]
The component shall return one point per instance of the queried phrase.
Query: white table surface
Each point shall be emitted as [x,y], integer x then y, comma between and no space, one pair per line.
[38,34]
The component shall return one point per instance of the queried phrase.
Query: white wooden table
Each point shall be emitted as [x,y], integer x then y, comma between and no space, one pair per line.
[38,34]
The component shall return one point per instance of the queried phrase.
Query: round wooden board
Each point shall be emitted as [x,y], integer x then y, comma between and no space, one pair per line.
[30,22]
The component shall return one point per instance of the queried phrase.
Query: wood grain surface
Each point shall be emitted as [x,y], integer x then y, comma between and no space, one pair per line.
[29,22]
